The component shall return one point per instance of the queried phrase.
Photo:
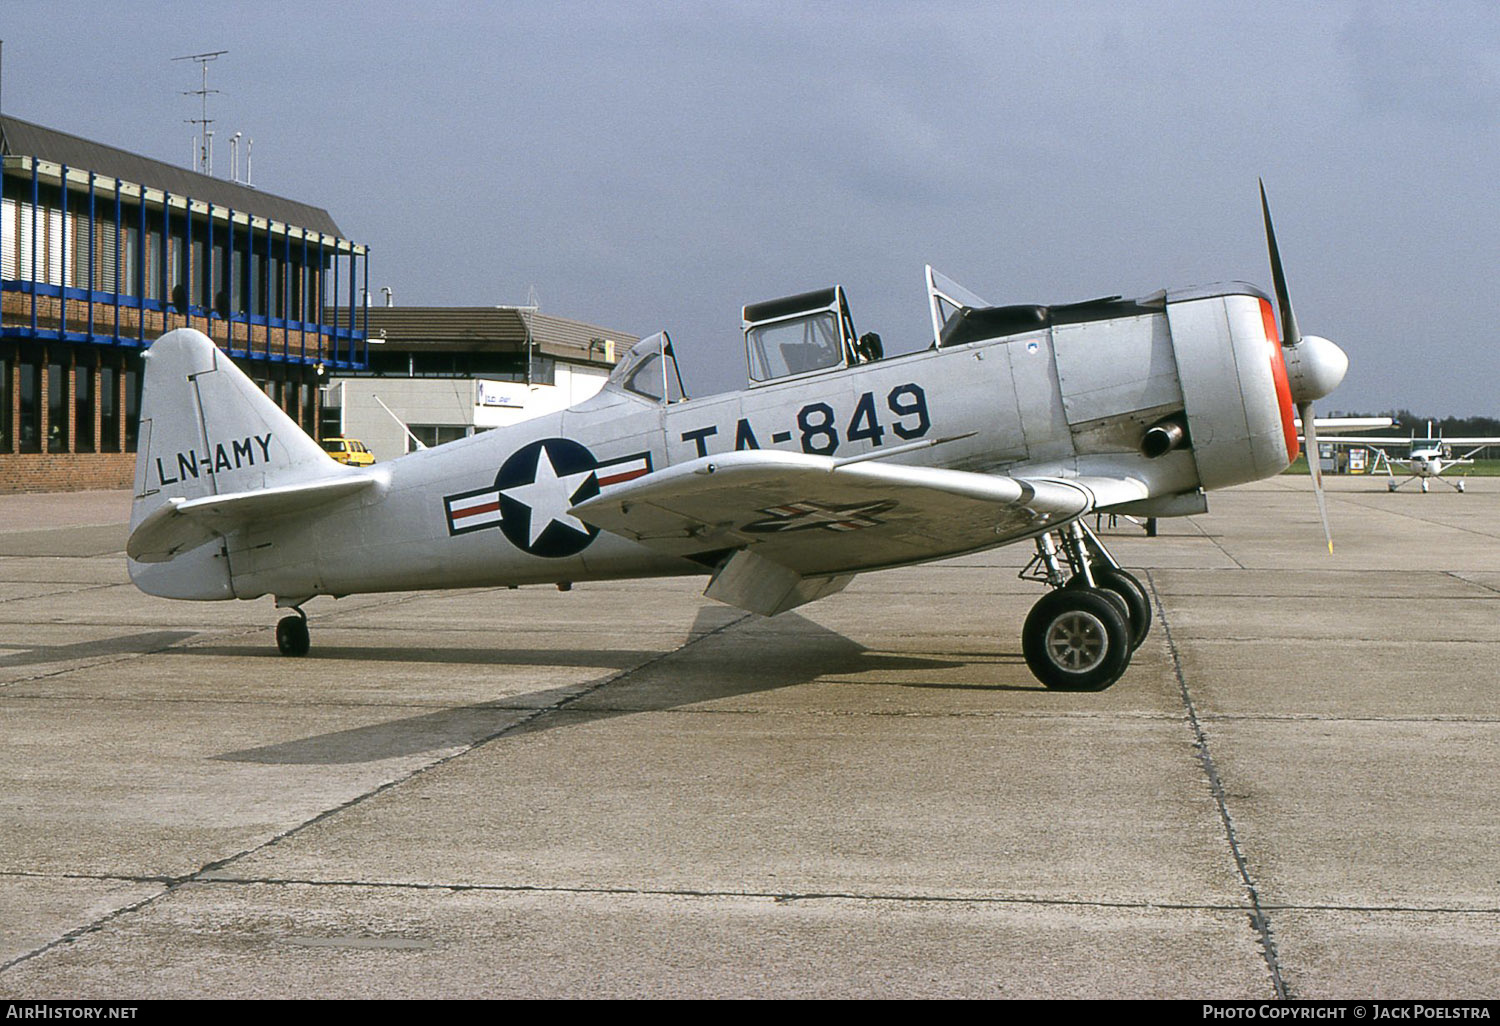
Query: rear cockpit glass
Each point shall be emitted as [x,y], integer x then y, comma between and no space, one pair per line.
[794,346]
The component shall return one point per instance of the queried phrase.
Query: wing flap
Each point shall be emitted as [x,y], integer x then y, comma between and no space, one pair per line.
[180,524]
[818,516]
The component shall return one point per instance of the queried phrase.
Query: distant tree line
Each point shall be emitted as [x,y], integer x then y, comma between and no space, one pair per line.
[1407,422]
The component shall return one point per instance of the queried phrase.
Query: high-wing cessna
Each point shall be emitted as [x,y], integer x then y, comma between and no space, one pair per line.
[1427,459]
[1015,423]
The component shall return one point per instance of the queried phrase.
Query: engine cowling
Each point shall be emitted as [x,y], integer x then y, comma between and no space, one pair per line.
[1237,393]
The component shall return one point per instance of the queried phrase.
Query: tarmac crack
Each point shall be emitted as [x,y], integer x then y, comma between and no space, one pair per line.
[1427,521]
[1259,922]
[1492,589]
[1215,542]
[781,897]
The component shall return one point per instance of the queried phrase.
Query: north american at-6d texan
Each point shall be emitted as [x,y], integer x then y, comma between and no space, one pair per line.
[1013,425]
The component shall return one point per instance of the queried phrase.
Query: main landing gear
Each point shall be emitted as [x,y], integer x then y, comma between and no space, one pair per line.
[291,634]
[1080,636]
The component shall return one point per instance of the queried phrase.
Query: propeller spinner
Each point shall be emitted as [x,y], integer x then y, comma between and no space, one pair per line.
[1314,366]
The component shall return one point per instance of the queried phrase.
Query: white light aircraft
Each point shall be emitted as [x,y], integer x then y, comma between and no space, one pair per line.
[1427,459]
[1016,423]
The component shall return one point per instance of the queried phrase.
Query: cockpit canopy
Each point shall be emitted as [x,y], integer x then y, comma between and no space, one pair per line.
[649,369]
[803,334]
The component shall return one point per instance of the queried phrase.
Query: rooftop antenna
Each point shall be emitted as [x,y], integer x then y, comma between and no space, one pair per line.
[204,155]
[533,304]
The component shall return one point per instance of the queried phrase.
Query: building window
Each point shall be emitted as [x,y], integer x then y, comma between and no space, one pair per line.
[132,405]
[7,366]
[57,407]
[436,434]
[105,261]
[109,413]
[177,293]
[275,289]
[83,408]
[30,428]
[239,283]
[197,284]
[257,300]
[309,408]
[221,281]
[130,262]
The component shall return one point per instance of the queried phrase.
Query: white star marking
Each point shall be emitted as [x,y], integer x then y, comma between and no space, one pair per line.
[549,497]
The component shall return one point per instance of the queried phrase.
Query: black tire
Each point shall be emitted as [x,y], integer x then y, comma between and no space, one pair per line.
[291,636]
[1076,639]
[1130,590]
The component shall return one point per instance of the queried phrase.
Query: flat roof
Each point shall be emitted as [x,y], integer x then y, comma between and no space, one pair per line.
[18,138]
[480,328]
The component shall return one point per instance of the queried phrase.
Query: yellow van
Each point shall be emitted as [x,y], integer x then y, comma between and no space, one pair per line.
[348,450]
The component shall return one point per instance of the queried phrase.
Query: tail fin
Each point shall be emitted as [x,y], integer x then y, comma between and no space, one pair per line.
[207,430]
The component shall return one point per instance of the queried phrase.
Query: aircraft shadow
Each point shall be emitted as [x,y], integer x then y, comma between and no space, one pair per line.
[615,658]
[800,655]
[127,644]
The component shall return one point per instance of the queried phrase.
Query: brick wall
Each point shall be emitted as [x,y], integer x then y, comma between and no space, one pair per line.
[66,472]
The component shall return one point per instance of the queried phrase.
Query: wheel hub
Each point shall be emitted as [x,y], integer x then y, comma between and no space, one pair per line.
[1076,641]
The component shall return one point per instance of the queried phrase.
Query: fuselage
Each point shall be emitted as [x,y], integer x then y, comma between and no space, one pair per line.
[1073,397]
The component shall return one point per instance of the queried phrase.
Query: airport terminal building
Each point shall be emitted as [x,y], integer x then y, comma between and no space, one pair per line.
[103,250]
[436,374]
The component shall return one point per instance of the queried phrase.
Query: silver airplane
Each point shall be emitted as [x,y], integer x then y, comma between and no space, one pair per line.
[1427,459]
[1013,425]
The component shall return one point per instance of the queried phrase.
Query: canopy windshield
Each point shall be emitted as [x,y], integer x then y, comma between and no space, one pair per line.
[649,370]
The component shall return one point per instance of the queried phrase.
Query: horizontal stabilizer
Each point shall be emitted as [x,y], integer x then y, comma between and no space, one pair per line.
[180,524]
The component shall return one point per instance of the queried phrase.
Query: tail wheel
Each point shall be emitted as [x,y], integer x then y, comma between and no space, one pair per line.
[1125,585]
[1076,639]
[291,636]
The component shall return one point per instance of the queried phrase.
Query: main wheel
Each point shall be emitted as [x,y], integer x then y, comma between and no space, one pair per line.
[291,636]
[1129,588]
[1076,639]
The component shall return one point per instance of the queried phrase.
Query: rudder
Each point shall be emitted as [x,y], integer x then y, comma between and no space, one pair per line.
[207,429]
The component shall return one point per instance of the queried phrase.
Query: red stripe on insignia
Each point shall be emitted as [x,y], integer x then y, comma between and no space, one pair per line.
[619,476]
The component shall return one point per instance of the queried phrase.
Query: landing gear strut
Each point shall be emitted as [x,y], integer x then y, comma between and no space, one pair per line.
[1080,636]
[291,634]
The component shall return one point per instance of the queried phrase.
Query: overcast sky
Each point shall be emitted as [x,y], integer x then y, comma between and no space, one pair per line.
[658,165]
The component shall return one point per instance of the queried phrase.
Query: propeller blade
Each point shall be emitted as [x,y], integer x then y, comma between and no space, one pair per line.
[1290,335]
[1315,466]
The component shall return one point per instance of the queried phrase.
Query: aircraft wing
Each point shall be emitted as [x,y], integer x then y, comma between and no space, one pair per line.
[181,524]
[1374,442]
[1379,441]
[818,517]
[1341,425]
